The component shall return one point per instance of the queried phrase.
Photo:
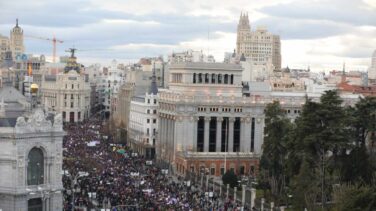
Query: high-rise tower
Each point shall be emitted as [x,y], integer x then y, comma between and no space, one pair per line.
[372,69]
[244,29]
[260,46]
[16,40]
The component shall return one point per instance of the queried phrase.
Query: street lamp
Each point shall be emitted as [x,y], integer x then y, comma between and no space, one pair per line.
[74,182]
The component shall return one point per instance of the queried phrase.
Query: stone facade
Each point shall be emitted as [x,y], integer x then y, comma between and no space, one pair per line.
[143,124]
[33,132]
[259,46]
[67,93]
[202,106]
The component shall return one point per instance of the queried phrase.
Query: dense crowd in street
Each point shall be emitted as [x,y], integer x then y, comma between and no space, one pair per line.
[119,180]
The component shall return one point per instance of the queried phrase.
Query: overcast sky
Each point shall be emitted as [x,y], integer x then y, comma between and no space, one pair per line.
[319,33]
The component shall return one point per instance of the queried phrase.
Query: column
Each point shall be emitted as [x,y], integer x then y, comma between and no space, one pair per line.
[206,134]
[219,134]
[247,134]
[194,140]
[231,134]
[165,131]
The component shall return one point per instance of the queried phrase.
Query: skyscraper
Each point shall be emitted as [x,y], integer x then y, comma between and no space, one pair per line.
[372,69]
[16,41]
[259,46]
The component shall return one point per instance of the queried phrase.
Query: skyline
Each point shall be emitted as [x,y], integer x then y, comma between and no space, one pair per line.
[316,33]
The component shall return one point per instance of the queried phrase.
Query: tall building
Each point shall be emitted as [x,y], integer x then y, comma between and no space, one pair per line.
[372,68]
[205,123]
[67,93]
[4,47]
[30,155]
[143,122]
[17,41]
[259,46]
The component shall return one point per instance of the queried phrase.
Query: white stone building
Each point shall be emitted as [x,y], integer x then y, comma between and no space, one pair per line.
[143,121]
[206,123]
[190,56]
[30,156]
[67,93]
[259,46]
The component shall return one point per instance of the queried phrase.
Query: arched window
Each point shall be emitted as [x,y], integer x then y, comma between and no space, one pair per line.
[206,78]
[232,79]
[225,81]
[35,167]
[199,78]
[194,78]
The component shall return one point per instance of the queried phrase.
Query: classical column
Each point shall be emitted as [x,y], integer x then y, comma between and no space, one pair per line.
[231,134]
[194,141]
[206,134]
[219,134]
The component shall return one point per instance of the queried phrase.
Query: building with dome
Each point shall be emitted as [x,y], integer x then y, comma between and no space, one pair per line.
[30,155]
[67,93]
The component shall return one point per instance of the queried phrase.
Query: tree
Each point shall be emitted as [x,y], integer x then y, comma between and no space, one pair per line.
[272,164]
[320,135]
[355,197]
[356,161]
[230,178]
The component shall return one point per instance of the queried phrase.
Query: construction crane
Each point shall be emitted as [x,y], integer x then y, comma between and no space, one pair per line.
[53,40]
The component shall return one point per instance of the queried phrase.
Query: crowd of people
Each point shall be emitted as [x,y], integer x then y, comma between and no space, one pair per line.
[111,176]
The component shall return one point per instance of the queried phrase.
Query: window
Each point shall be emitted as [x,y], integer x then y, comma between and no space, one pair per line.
[222,170]
[148,111]
[154,111]
[72,86]
[148,121]
[148,131]
[71,97]
[212,171]
[155,101]
[154,121]
[72,104]
[65,96]
[148,101]
[35,167]
[35,204]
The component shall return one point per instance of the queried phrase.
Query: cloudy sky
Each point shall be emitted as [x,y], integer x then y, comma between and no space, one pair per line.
[319,33]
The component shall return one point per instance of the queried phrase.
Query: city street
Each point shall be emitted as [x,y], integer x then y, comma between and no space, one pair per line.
[101,174]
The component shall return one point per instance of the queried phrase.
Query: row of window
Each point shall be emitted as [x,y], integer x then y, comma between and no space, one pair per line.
[213,78]
[296,111]
[71,97]
[154,121]
[154,101]
[154,111]
[66,86]
[216,109]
